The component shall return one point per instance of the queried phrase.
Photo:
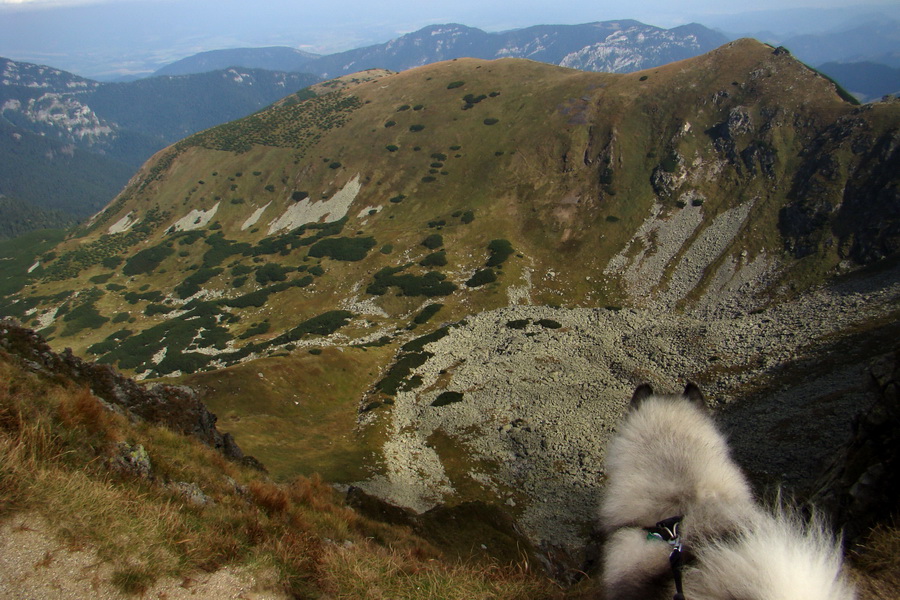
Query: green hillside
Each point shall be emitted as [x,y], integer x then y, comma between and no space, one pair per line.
[328,233]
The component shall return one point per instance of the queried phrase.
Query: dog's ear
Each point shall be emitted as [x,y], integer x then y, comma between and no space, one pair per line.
[642,392]
[692,392]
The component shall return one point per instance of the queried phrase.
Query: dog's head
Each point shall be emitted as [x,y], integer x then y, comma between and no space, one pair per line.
[691,394]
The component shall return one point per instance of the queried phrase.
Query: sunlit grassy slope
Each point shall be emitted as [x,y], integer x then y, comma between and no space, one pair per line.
[403,186]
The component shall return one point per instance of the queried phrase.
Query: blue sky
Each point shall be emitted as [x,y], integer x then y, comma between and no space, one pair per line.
[105,37]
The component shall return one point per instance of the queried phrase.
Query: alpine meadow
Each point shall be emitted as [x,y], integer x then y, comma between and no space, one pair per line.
[392,321]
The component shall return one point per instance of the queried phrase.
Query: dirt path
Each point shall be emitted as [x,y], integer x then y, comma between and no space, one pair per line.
[36,566]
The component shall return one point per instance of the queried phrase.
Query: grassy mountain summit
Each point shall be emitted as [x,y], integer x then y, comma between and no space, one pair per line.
[321,193]
[414,281]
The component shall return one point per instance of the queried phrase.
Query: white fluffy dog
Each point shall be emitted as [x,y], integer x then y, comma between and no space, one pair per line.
[678,509]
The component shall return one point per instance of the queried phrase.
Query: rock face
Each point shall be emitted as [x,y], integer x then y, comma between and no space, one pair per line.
[861,215]
[176,407]
[862,485]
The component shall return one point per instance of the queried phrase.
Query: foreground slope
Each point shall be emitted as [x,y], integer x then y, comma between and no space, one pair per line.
[101,497]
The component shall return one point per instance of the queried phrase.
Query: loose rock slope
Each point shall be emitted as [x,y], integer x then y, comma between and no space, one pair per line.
[541,390]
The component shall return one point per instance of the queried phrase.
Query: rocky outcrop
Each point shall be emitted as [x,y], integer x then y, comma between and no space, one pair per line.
[846,192]
[861,487]
[176,407]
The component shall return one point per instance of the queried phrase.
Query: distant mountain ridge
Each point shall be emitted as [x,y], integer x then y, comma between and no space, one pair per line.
[870,41]
[611,46]
[70,143]
[273,58]
[865,79]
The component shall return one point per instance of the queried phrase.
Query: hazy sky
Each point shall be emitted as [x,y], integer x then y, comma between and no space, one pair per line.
[96,37]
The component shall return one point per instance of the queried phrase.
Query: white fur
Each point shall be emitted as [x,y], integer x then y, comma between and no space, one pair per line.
[668,459]
[775,557]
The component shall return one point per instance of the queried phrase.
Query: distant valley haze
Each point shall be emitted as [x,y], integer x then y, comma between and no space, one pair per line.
[112,39]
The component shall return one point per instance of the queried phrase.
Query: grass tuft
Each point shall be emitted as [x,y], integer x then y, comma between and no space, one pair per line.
[57,441]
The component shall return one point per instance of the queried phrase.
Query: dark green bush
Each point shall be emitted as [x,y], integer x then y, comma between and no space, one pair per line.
[186,238]
[433,241]
[396,376]
[134,297]
[500,250]
[271,272]
[455,84]
[102,347]
[431,284]
[482,277]
[100,279]
[435,259]
[426,314]
[221,249]
[416,127]
[343,248]
[670,163]
[257,299]
[324,324]
[191,285]
[111,262]
[158,309]
[392,147]
[147,260]
[83,316]
[256,329]
[491,121]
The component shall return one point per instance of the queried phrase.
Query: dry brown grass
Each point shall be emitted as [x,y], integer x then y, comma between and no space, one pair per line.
[875,564]
[56,445]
